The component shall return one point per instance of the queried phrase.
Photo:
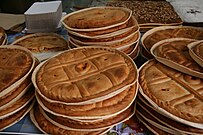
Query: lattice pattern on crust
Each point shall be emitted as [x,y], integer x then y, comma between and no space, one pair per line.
[14,64]
[177,51]
[83,74]
[180,94]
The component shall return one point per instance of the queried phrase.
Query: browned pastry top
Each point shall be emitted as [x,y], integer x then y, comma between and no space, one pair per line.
[85,73]
[152,12]
[14,64]
[42,42]
[177,93]
[96,18]
[173,32]
[198,50]
[177,52]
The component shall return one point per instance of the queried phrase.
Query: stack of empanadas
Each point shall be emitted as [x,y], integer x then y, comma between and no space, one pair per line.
[16,94]
[113,27]
[169,101]
[85,90]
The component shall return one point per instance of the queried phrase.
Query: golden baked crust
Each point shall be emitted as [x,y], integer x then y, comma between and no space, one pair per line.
[128,41]
[85,73]
[150,12]
[161,33]
[50,128]
[42,42]
[177,51]
[107,107]
[96,17]
[10,120]
[129,24]
[198,50]
[101,124]
[14,64]
[175,92]
[18,104]
[14,93]
[151,113]
[113,38]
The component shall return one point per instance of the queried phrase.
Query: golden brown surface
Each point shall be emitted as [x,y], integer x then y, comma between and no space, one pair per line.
[14,93]
[96,18]
[50,128]
[177,93]
[107,107]
[19,103]
[150,113]
[129,40]
[103,123]
[87,73]
[42,42]
[130,23]
[151,12]
[173,32]
[113,38]
[11,119]
[14,64]
[177,51]
[198,50]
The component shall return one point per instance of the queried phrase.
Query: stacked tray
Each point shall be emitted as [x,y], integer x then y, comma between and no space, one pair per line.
[169,102]
[3,37]
[85,90]
[16,96]
[150,14]
[43,45]
[165,32]
[113,27]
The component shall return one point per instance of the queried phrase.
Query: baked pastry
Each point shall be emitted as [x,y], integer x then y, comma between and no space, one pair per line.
[117,30]
[14,118]
[152,115]
[42,42]
[15,93]
[119,44]
[164,32]
[80,78]
[150,12]
[42,123]
[175,53]
[15,63]
[18,105]
[174,94]
[91,125]
[96,18]
[107,108]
